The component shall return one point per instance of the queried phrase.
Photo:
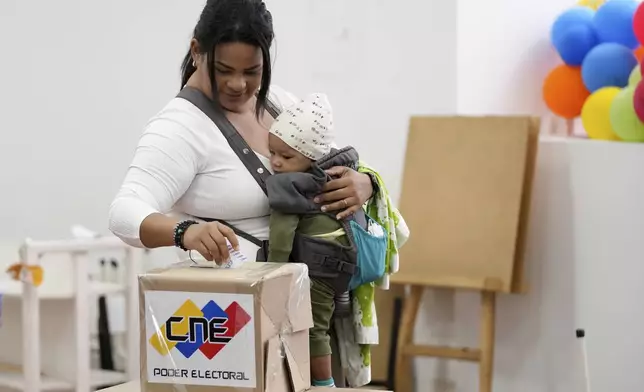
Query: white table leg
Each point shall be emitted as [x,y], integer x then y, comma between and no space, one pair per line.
[31,326]
[81,283]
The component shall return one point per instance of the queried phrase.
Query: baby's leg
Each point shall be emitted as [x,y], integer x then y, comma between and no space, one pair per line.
[322,304]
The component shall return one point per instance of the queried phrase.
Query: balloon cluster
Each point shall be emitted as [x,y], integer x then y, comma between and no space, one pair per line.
[601,44]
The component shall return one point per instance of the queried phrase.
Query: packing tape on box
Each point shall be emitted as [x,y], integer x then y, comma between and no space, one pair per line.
[240,327]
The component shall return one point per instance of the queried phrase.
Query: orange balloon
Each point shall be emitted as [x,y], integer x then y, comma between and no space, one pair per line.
[564,91]
[639,53]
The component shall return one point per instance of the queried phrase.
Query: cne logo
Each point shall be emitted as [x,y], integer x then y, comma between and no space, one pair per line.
[191,329]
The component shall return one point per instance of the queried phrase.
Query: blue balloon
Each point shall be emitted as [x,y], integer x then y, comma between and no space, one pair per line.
[607,65]
[575,43]
[614,22]
[573,34]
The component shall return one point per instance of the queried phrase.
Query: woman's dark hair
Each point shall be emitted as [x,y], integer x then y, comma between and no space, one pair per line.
[225,21]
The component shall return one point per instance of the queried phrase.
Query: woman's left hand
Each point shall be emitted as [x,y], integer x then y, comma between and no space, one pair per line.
[346,193]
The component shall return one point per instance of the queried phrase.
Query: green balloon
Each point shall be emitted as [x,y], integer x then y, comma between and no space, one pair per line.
[635,77]
[623,118]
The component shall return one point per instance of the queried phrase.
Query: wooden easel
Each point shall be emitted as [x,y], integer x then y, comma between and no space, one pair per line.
[467,184]
[484,354]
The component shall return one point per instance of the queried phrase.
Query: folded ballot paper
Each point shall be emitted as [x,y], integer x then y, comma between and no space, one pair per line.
[235,260]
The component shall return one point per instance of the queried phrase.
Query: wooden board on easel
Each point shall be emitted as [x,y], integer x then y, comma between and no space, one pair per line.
[465,197]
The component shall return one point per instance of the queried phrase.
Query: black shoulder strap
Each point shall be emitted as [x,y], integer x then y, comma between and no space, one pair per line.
[239,232]
[272,109]
[248,157]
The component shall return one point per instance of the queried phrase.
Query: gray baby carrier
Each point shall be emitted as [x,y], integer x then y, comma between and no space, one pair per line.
[333,263]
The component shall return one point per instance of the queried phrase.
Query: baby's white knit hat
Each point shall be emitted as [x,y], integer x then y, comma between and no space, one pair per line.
[307,126]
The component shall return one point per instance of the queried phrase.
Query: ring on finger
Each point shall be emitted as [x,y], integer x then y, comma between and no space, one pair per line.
[344,203]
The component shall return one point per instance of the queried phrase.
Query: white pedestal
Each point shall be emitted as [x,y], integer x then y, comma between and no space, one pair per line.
[585,269]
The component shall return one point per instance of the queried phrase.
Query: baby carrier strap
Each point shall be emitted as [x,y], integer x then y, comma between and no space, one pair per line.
[328,261]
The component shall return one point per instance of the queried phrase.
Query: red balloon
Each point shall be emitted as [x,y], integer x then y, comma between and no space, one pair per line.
[638,101]
[638,24]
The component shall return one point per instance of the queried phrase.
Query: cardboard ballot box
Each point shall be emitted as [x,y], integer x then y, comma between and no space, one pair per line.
[225,330]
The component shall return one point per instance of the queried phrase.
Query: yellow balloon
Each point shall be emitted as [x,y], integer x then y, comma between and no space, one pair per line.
[594,4]
[635,77]
[595,114]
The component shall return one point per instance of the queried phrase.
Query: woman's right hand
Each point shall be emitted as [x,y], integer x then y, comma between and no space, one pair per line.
[209,239]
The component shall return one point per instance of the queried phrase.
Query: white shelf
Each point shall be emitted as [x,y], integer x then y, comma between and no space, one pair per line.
[13,289]
[61,361]
[98,379]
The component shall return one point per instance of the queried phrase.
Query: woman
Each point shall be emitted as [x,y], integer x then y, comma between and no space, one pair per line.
[183,166]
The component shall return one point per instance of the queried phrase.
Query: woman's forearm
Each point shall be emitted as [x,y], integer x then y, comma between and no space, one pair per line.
[157,230]
[374,184]
[366,171]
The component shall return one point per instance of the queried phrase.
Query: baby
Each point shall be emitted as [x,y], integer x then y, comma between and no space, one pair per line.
[300,142]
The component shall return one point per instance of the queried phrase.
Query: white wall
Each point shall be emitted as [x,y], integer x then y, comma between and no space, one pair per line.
[379,61]
[79,80]
[504,54]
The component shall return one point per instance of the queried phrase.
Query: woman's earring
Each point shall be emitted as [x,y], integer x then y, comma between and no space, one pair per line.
[194,63]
